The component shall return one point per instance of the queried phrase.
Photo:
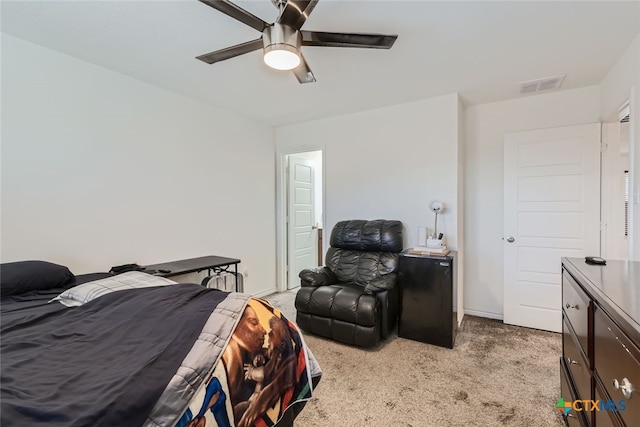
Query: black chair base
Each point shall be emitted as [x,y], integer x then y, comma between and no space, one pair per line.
[344,314]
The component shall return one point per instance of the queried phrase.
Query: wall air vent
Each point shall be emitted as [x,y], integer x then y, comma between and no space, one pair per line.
[625,119]
[541,85]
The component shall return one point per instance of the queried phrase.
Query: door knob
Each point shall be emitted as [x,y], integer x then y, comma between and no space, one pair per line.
[510,239]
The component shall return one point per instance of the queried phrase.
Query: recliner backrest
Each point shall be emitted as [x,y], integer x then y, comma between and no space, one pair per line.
[371,236]
[362,251]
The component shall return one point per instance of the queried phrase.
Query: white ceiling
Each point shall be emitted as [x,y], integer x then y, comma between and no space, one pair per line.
[480,49]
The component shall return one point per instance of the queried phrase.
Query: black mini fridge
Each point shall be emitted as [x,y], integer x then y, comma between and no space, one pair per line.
[426,299]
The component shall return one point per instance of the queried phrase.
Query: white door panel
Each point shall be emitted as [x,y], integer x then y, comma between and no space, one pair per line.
[551,209]
[547,319]
[550,224]
[540,294]
[302,219]
[542,260]
[303,195]
[550,188]
[302,240]
[566,152]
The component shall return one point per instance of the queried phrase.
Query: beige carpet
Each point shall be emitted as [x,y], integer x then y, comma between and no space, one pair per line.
[496,375]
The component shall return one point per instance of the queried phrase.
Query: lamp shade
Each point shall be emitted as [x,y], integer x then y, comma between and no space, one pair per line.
[436,206]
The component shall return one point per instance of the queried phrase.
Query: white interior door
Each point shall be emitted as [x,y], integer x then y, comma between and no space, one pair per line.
[302,230]
[551,210]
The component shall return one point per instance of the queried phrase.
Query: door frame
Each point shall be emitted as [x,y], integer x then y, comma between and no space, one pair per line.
[281,209]
[611,138]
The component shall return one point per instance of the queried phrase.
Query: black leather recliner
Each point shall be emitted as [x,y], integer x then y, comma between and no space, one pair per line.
[354,298]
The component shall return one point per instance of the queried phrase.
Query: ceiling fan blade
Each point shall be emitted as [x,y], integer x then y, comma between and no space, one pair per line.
[230,52]
[320,38]
[303,72]
[237,13]
[296,12]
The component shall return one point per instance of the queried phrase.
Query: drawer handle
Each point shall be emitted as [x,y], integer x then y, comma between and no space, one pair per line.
[625,387]
[572,306]
[572,362]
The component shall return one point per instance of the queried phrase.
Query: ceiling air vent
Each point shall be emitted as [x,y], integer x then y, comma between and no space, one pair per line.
[542,85]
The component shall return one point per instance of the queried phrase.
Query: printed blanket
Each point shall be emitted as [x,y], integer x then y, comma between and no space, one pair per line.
[265,369]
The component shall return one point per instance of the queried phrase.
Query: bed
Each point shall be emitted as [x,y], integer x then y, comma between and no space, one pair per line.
[139,350]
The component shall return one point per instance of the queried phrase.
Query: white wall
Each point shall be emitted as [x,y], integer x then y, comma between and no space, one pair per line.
[485,126]
[99,169]
[386,163]
[621,85]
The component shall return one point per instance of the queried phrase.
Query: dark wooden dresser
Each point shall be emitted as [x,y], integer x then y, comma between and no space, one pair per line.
[600,364]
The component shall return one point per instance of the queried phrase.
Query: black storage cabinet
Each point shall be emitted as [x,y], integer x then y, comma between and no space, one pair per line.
[426,299]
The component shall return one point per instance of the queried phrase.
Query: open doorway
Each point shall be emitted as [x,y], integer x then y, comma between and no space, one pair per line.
[615,189]
[303,214]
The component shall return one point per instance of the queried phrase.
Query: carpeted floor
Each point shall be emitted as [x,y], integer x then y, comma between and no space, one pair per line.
[496,375]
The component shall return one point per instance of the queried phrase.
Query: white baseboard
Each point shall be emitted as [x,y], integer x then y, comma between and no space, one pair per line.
[265,293]
[487,314]
[273,291]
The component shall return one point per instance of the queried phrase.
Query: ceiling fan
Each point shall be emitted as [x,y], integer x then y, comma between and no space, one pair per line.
[281,40]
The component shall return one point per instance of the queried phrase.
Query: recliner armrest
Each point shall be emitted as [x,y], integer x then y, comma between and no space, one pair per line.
[320,276]
[382,283]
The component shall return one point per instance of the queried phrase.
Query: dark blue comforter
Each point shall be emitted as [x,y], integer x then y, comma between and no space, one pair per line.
[105,363]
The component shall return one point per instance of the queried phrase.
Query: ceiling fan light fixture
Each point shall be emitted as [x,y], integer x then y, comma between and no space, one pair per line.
[282,47]
[281,56]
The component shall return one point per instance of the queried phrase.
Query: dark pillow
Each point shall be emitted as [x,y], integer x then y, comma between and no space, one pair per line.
[23,276]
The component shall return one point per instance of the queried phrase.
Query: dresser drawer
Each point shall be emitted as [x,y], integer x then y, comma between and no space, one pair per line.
[607,416]
[576,364]
[575,304]
[617,364]
[573,418]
